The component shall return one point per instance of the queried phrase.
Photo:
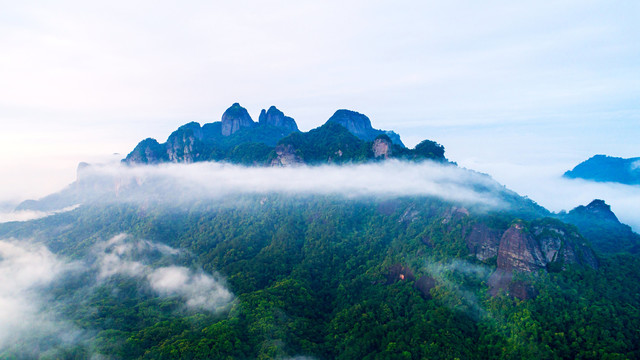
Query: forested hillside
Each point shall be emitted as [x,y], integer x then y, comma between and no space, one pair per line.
[326,277]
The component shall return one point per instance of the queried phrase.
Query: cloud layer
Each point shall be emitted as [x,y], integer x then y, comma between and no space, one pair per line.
[187,182]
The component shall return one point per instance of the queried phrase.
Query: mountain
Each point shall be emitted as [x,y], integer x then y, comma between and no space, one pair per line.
[402,254]
[217,141]
[360,126]
[347,137]
[604,168]
[600,225]
[271,275]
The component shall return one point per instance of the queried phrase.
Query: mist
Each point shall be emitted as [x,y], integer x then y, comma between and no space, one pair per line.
[26,313]
[31,322]
[543,182]
[124,255]
[189,182]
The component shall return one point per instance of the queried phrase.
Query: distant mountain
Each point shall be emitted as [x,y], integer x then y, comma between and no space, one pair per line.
[347,137]
[600,225]
[604,168]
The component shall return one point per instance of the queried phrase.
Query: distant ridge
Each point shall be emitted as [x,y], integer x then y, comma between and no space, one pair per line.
[603,168]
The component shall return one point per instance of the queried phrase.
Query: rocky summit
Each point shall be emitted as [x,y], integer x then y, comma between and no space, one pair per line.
[347,137]
[360,126]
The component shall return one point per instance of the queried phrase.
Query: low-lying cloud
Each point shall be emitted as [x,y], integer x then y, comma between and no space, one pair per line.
[30,320]
[544,184]
[25,314]
[185,182]
[26,215]
[122,255]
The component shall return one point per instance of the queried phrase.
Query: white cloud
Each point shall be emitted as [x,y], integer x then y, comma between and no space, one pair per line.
[26,215]
[122,255]
[175,183]
[202,291]
[25,314]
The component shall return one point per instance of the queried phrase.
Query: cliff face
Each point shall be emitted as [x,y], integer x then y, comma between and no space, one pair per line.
[275,117]
[286,156]
[549,245]
[382,148]
[518,250]
[235,118]
[483,242]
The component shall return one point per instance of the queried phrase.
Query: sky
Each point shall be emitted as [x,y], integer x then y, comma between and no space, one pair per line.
[520,90]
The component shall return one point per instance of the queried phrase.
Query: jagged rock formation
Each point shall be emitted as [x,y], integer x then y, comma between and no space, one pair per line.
[604,168]
[347,137]
[547,244]
[541,245]
[235,118]
[360,126]
[216,141]
[275,117]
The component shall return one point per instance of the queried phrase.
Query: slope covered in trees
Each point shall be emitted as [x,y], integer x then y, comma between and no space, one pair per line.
[326,277]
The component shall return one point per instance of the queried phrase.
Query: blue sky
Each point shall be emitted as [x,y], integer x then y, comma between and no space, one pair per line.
[503,85]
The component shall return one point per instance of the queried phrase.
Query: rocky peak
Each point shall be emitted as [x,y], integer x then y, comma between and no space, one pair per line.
[275,117]
[148,151]
[235,118]
[600,209]
[358,124]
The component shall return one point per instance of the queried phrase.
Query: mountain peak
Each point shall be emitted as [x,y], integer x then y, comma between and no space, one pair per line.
[601,209]
[275,117]
[360,125]
[235,118]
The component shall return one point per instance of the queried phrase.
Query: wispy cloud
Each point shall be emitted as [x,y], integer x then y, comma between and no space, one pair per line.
[27,320]
[123,255]
[26,215]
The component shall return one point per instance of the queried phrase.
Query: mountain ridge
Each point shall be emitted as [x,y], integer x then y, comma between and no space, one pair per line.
[276,137]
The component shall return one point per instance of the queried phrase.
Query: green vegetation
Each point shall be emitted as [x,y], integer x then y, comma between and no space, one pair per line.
[320,276]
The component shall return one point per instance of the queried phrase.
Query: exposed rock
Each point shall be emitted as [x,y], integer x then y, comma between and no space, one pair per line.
[549,245]
[235,118]
[360,126]
[382,147]
[185,144]
[286,156]
[275,117]
[561,245]
[519,251]
[483,242]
